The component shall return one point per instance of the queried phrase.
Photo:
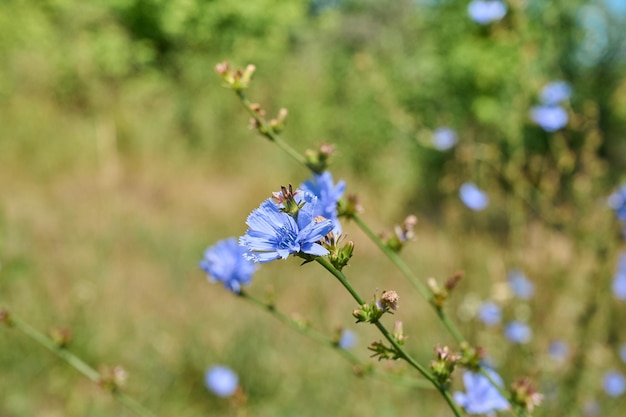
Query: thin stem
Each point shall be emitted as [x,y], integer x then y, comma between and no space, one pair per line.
[408,274]
[399,349]
[267,131]
[321,338]
[76,363]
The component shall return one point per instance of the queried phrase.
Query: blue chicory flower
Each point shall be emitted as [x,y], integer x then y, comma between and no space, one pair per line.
[221,380]
[444,138]
[518,332]
[473,197]
[558,350]
[225,262]
[490,313]
[617,201]
[486,11]
[481,396]
[555,92]
[619,280]
[622,352]
[348,339]
[521,286]
[328,195]
[614,383]
[274,234]
[549,117]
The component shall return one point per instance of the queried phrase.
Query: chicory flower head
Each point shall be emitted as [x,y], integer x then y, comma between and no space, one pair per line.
[348,339]
[444,138]
[617,201]
[619,280]
[614,383]
[555,92]
[473,197]
[328,195]
[285,226]
[486,11]
[549,117]
[481,397]
[225,262]
[518,332]
[490,313]
[521,286]
[221,381]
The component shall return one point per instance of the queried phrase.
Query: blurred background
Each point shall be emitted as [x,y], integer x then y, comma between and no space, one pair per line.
[122,157]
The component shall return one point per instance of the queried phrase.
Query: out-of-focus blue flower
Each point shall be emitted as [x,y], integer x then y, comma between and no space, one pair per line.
[473,197]
[550,118]
[518,332]
[558,350]
[444,138]
[555,92]
[221,380]
[328,194]
[348,339]
[486,11]
[617,201]
[614,383]
[481,397]
[274,234]
[521,286]
[490,313]
[225,262]
[622,352]
[619,280]
[616,7]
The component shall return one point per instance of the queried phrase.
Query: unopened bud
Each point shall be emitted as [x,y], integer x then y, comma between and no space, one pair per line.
[350,206]
[61,336]
[113,378]
[524,393]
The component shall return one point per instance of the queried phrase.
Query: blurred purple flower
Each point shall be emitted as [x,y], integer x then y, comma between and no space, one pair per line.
[558,350]
[619,280]
[521,286]
[490,313]
[225,262]
[348,339]
[473,197]
[518,332]
[486,11]
[444,138]
[622,352]
[481,397]
[273,234]
[221,381]
[555,92]
[328,194]
[617,201]
[614,383]
[550,118]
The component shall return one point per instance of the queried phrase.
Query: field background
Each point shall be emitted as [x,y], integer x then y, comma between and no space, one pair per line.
[122,157]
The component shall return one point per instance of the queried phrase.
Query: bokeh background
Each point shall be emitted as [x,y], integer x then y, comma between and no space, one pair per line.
[122,157]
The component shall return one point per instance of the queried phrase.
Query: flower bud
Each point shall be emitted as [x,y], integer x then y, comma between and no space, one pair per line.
[318,161]
[61,336]
[112,378]
[349,206]
[5,317]
[278,124]
[444,365]
[524,393]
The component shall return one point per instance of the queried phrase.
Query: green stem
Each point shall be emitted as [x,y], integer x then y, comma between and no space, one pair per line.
[76,363]
[267,131]
[408,274]
[322,339]
[399,349]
